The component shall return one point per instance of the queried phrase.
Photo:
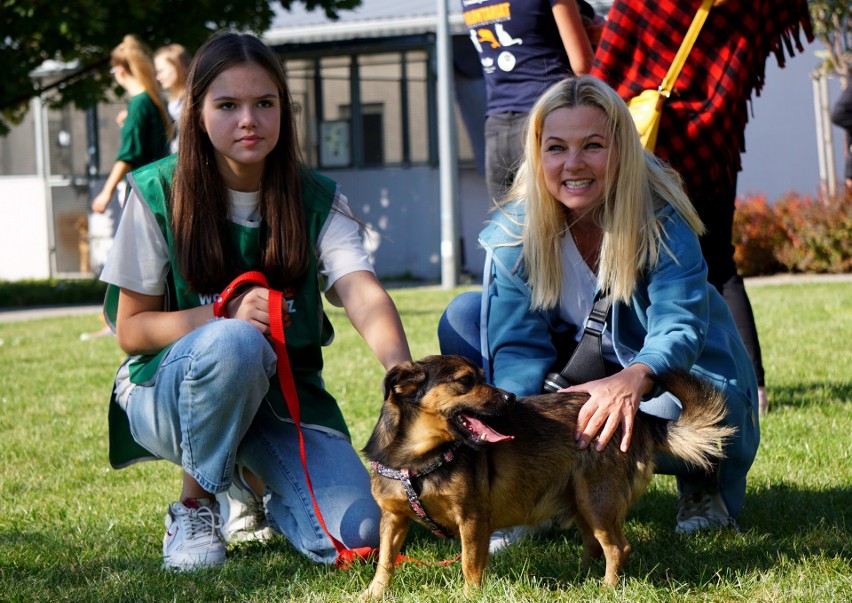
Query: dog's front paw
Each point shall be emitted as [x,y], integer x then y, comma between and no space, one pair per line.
[374,592]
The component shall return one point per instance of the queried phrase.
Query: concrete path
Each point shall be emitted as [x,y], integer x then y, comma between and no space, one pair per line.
[786,279]
[19,314]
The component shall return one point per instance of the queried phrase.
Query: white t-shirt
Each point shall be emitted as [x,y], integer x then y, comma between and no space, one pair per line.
[139,258]
[174,107]
[579,284]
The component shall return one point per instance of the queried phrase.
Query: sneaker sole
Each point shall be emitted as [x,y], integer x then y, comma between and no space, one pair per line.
[193,564]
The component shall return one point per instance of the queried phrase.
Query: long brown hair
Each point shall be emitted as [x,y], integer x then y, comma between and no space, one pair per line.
[199,209]
[135,58]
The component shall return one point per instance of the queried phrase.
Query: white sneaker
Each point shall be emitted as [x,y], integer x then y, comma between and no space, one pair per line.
[502,539]
[191,540]
[702,511]
[102,332]
[243,512]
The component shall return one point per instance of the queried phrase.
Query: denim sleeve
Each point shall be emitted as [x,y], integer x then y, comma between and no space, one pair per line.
[676,303]
[519,341]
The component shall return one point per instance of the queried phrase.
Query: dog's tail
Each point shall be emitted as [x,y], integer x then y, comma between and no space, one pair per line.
[698,437]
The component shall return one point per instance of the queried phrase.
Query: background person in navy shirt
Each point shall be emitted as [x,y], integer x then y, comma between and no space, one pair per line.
[524,46]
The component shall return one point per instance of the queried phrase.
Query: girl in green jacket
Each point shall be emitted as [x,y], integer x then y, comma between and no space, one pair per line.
[200,389]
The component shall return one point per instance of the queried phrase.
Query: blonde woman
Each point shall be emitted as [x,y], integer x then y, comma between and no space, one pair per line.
[591,211]
[171,64]
[146,129]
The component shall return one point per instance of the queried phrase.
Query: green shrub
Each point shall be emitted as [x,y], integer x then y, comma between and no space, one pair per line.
[819,233]
[50,292]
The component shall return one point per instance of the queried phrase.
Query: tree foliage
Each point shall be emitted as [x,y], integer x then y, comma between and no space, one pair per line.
[81,34]
[831,21]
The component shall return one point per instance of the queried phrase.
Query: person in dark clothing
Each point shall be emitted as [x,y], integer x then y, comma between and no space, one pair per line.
[841,116]
[524,47]
[702,130]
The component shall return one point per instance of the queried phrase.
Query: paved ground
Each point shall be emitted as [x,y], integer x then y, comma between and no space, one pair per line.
[18,314]
[779,279]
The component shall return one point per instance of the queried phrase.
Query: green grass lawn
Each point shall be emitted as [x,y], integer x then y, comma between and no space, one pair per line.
[72,528]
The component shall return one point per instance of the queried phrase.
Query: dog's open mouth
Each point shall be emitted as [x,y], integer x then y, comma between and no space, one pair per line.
[479,432]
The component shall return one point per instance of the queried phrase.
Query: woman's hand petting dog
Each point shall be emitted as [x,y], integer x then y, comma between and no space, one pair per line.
[613,403]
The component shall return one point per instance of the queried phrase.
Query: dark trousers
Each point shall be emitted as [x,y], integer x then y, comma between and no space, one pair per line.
[504,149]
[716,209]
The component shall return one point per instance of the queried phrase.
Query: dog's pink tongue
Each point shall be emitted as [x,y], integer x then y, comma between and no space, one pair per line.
[483,431]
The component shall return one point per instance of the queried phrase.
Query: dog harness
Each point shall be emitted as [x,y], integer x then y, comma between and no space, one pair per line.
[404,475]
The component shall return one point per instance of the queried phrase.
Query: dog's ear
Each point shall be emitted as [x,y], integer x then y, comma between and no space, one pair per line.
[399,384]
[403,380]
[391,377]
[385,432]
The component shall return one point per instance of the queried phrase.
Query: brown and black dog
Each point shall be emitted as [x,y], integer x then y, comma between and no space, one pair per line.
[466,458]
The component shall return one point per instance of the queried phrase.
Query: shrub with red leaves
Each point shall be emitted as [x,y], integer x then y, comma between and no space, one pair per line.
[757,237]
[819,234]
[795,234]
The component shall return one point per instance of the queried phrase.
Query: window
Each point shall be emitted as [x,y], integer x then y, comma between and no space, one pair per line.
[301,78]
[372,132]
[364,109]
[335,140]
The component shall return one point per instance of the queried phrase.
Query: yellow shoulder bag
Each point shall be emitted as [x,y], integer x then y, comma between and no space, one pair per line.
[646,108]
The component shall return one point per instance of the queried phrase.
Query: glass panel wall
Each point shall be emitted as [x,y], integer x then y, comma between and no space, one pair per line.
[301,77]
[335,136]
[366,109]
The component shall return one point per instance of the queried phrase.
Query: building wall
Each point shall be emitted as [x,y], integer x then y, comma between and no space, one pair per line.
[24,247]
[401,210]
[781,138]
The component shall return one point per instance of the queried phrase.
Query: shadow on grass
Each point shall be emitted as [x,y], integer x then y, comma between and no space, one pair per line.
[110,571]
[805,395]
[783,522]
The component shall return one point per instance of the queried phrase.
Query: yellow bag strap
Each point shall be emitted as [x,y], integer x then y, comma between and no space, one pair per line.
[685,48]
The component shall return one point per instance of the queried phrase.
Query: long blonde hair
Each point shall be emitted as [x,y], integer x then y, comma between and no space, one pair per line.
[178,56]
[637,183]
[134,57]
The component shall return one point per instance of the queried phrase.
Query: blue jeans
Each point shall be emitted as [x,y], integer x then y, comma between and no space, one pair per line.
[458,327]
[459,333]
[207,411]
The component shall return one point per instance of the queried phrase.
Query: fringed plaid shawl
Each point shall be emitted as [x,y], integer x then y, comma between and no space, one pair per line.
[702,131]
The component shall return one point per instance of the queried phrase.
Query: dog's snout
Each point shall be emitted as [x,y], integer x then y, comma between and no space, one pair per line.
[508,397]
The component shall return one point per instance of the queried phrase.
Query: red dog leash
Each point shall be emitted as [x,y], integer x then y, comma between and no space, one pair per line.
[277,310]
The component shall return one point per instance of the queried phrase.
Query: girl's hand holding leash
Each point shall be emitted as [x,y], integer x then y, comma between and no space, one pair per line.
[251,306]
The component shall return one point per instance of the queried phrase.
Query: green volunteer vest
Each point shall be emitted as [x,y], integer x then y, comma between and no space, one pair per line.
[308,328]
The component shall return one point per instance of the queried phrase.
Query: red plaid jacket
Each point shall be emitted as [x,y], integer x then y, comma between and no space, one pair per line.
[702,131]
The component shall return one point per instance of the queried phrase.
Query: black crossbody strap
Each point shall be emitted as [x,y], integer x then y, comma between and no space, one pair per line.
[587,363]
